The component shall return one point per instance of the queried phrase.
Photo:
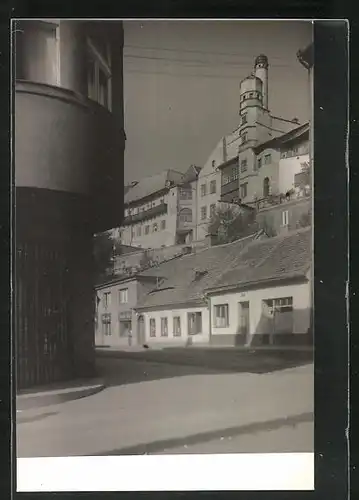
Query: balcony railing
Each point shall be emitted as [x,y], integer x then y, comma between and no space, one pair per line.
[229,187]
[146,214]
[277,199]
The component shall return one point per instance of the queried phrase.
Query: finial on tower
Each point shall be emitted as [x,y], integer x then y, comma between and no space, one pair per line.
[262,61]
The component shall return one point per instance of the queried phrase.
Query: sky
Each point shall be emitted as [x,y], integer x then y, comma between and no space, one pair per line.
[181,85]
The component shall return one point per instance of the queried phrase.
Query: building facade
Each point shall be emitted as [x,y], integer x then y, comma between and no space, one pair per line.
[115,320]
[254,291]
[234,166]
[263,315]
[151,207]
[69,151]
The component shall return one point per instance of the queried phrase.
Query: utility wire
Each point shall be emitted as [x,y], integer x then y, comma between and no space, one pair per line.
[181,75]
[198,61]
[191,51]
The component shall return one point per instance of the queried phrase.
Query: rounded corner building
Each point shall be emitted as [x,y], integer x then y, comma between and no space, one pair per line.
[68,155]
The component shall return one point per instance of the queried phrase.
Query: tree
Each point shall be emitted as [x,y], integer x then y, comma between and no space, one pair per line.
[230,224]
[103,249]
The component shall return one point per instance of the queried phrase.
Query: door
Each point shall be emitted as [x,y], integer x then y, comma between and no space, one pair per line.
[244,328]
[141,330]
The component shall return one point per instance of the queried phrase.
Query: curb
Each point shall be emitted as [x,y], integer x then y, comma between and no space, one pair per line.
[52,397]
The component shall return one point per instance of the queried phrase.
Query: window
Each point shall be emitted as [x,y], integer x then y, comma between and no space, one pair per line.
[259,163]
[212,187]
[243,188]
[152,327]
[285,218]
[138,230]
[203,190]
[107,300]
[279,313]
[163,224]
[164,327]
[155,227]
[176,326]
[203,213]
[235,173]
[147,229]
[244,118]
[186,215]
[244,138]
[212,210]
[268,159]
[213,163]
[221,319]
[99,73]
[186,194]
[45,67]
[244,165]
[106,325]
[266,187]
[225,180]
[132,232]
[123,296]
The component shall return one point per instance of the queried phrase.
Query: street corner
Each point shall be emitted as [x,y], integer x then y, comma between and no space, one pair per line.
[50,396]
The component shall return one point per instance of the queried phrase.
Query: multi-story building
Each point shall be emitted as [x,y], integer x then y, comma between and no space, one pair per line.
[69,152]
[209,181]
[233,165]
[161,210]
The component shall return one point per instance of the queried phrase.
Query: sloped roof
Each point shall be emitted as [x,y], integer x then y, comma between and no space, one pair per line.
[180,283]
[281,257]
[191,174]
[150,185]
[283,138]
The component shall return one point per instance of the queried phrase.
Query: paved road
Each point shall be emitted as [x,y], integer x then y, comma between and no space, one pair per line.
[159,408]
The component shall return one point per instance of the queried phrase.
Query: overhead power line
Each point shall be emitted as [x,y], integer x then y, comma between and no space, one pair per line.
[197,61]
[180,75]
[191,51]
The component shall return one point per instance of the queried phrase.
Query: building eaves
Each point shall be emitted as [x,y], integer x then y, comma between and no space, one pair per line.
[276,142]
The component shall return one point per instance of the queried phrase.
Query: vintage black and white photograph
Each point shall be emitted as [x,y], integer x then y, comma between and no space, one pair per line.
[163,268]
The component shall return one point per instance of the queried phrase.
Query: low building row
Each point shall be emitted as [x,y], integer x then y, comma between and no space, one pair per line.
[254,291]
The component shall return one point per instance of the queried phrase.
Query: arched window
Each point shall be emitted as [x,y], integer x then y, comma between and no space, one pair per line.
[186,215]
[266,187]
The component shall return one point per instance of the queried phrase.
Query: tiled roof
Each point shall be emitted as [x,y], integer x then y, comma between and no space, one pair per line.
[281,139]
[186,277]
[281,257]
[150,185]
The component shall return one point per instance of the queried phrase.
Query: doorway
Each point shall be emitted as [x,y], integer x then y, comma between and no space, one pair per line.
[244,327]
[194,323]
[141,330]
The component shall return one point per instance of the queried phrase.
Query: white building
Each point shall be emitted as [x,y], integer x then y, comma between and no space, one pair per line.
[254,291]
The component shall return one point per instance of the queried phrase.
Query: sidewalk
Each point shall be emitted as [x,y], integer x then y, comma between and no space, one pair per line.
[229,359]
[57,393]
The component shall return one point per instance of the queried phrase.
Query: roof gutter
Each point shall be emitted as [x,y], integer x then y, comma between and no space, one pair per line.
[253,284]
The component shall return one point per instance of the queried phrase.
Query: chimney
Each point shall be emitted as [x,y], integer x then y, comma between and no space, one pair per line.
[224,143]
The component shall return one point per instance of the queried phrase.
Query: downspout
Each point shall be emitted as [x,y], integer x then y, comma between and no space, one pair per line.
[210,319]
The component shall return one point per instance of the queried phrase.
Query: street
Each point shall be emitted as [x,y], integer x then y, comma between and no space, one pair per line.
[155,408]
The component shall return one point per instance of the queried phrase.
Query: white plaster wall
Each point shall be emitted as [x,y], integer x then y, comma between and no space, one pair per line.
[301,301]
[207,174]
[288,167]
[170,314]
[166,237]
[115,307]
